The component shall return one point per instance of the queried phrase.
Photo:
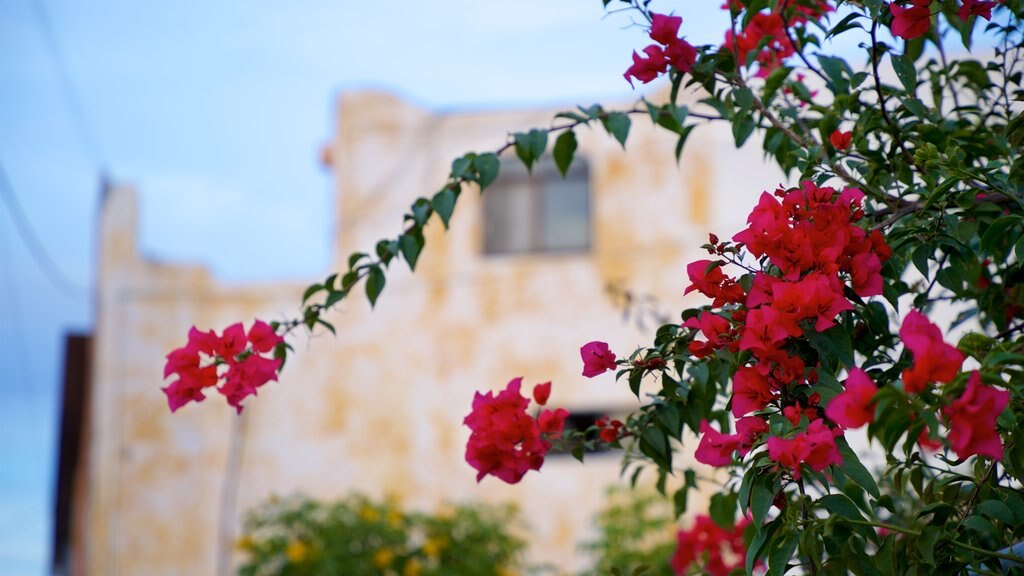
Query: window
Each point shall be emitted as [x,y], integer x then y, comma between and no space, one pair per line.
[539,212]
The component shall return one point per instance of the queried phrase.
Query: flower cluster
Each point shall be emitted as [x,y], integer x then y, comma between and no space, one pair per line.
[506,441]
[767,33]
[724,548]
[934,359]
[670,50]
[914,20]
[811,250]
[610,430]
[234,359]
[972,420]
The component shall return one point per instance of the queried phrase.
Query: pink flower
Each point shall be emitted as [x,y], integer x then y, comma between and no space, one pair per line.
[750,429]
[972,420]
[664,28]
[854,406]
[552,421]
[909,23]
[840,140]
[610,431]
[934,359]
[681,55]
[764,331]
[751,391]
[976,7]
[816,448]
[263,338]
[244,370]
[719,545]
[646,69]
[505,442]
[541,392]
[715,448]
[597,358]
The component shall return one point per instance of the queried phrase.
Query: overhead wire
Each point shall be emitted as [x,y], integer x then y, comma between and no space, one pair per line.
[40,255]
[67,88]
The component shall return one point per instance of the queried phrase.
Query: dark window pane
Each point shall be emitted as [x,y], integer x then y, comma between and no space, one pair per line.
[537,212]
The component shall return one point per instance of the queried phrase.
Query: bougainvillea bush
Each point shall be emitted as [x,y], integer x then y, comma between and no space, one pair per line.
[876,301]
[356,536]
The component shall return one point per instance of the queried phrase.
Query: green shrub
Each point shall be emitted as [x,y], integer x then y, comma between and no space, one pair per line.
[299,536]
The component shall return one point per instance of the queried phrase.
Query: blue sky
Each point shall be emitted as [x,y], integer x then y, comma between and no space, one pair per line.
[216,112]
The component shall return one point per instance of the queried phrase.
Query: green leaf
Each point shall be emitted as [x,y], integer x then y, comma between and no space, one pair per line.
[335,296]
[742,128]
[744,98]
[679,500]
[617,124]
[421,211]
[761,497]
[565,149]
[487,167]
[842,505]
[460,166]
[682,141]
[926,543]
[782,550]
[311,291]
[723,509]
[327,325]
[374,284]
[530,146]
[853,468]
[411,243]
[758,542]
[997,510]
[444,204]
[386,250]
[906,71]
[355,258]
[832,344]
[916,107]
[775,81]
[997,238]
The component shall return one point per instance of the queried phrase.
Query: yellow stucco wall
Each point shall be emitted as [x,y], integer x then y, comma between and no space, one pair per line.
[378,409]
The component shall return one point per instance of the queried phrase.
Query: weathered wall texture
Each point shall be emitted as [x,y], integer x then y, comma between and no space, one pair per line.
[379,408]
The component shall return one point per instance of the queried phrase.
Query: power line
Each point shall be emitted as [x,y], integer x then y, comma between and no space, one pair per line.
[74,105]
[36,249]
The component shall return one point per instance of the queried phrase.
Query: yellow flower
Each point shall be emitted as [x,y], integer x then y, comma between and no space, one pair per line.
[394,518]
[297,551]
[369,514]
[245,543]
[433,546]
[382,558]
[502,571]
[412,568]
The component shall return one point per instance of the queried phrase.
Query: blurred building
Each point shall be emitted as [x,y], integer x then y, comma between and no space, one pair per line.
[516,286]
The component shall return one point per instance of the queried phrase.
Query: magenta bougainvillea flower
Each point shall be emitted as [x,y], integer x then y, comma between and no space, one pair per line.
[816,448]
[934,359]
[854,406]
[840,140]
[236,358]
[981,8]
[715,448]
[541,393]
[909,23]
[718,551]
[506,442]
[670,50]
[597,358]
[972,420]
